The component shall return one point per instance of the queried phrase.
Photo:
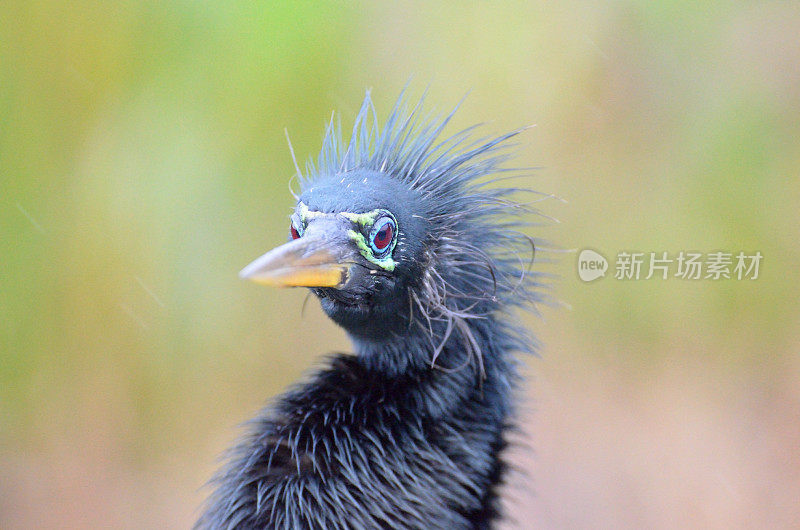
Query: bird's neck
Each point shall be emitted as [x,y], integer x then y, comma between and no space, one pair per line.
[457,377]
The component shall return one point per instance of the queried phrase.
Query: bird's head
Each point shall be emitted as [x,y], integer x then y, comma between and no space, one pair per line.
[399,232]
[357,239]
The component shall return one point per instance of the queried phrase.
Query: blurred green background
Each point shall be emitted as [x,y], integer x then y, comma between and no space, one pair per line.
[143,162]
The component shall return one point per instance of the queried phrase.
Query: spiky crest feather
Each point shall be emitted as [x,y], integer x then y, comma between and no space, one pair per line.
[478,261]
[357,446]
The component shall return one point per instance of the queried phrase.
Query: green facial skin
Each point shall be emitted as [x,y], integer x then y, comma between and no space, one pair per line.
[386,263]
[363,220]
[306,214]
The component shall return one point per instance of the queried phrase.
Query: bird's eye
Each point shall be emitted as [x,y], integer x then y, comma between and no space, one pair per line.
[382,235]
[294,231]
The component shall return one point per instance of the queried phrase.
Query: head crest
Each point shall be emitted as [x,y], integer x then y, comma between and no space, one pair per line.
[478,262]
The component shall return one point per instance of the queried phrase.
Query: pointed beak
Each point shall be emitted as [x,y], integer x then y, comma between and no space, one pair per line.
[311,261]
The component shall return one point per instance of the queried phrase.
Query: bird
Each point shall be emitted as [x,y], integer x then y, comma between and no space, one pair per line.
[414,244]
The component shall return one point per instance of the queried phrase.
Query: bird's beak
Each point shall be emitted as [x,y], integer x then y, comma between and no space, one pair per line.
[311,261]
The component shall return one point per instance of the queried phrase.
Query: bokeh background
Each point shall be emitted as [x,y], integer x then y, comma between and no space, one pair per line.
[143,162]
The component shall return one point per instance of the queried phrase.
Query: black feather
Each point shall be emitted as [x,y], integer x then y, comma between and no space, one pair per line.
[409,431]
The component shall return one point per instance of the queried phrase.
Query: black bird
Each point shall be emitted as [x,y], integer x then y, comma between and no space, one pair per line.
[414,250]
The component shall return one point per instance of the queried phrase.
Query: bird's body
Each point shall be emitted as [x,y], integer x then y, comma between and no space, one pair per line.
[420,263]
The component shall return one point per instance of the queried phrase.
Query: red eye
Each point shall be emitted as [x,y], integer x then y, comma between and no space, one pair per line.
[382,235]
[294,232]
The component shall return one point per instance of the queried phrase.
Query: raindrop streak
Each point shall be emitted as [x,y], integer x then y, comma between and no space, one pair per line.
[151,293]
[36,225]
